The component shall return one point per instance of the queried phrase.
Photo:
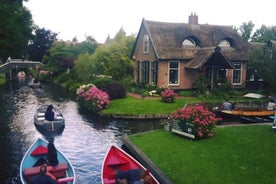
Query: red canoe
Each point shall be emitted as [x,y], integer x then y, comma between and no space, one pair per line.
[118,159]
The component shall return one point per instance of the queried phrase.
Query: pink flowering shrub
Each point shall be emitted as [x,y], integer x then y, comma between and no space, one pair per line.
[92,98]
[203,119]
[168,96]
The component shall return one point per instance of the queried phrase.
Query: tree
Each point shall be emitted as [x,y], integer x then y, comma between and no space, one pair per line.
[246,30]
[89,46]
[86,68]
[262,62]
[61,57]
[114,58]
[54,59]
[264,34]
[41,43]
[16,27]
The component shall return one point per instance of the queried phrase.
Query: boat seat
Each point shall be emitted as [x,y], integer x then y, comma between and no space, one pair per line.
[58,171]
[41,114]
[65,180]
[59,118]
[107,181]
[115,161]
[40,150]
[40,118]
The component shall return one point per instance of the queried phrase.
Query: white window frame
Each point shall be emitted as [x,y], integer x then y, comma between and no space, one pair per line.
[173,69]
[146,44]
[237,69]
[153,72]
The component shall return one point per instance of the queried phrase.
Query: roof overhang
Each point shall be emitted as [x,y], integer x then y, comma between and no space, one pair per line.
[210,58]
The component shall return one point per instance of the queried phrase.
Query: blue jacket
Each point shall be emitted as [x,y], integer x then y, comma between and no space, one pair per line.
[43,179]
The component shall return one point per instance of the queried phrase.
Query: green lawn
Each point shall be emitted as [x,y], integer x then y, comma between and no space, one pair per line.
[240,154]
[133,106]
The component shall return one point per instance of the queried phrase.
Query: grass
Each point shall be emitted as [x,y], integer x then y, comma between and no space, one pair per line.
[240,154]
[133,106]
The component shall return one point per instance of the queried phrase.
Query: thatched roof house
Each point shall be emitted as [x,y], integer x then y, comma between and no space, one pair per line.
[174,54]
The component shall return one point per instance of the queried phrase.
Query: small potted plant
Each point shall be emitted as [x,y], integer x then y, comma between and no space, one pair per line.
[167,123]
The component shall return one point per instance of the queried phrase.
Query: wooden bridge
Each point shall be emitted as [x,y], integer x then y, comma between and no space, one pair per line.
[19,64]
[14,65]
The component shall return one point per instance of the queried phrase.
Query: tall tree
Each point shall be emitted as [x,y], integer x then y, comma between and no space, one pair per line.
[246,30]
[41,43]
[16,27]
[264,34]
[62,55]
[89,46]
[114,58]
[262,62]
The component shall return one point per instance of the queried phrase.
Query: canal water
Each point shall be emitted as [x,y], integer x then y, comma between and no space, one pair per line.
[85,139]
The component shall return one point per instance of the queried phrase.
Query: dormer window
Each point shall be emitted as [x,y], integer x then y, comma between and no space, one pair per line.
[224,43]
[189,42]
[146,44]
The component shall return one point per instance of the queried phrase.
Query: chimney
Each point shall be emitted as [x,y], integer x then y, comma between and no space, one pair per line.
[193,19]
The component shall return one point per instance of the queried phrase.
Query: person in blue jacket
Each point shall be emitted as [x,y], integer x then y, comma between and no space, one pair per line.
[50,113]
[43,178]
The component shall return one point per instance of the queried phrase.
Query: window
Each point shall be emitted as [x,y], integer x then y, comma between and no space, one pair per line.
[147,72]
[252,77]
[173,72]
[189,42]
[153,72]
[146,44]
[224,43]
[237,73]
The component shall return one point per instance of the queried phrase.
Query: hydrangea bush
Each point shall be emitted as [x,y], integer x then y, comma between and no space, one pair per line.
[168,96]
[203,119]
[92,98]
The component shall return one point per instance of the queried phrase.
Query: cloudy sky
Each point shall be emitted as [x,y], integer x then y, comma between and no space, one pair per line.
[100,18]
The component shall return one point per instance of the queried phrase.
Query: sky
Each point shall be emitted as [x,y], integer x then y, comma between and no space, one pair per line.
[103,18]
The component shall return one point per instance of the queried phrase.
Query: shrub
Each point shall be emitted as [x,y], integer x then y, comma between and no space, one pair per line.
[203,119]
[101,82]
[92,98]
[115,90]
[168,96]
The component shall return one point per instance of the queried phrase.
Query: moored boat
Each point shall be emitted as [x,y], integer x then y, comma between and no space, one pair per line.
[117,159]
[63,172]
[249,113]
[256,111]
[254,116]
[57,126]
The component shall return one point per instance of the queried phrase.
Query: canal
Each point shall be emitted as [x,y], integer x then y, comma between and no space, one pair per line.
[85,139]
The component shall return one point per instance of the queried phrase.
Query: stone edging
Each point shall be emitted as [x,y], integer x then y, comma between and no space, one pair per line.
[138,116]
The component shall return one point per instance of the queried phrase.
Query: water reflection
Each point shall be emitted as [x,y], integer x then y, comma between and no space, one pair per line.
[85,139]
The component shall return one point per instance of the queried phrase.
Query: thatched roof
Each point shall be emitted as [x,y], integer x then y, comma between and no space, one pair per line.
[212,57]
[167,39]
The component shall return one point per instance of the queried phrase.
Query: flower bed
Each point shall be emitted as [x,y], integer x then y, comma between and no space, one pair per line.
[168,96]
[92,98]
[198,120]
